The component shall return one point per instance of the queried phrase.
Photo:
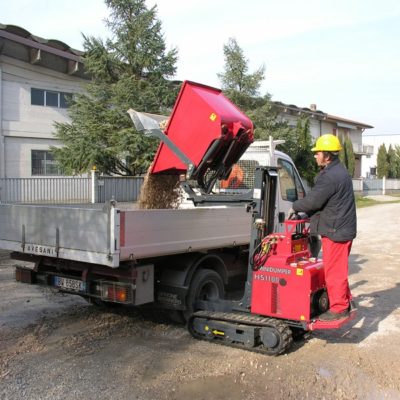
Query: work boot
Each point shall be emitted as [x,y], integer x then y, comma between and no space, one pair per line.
[353,305]
[332,316]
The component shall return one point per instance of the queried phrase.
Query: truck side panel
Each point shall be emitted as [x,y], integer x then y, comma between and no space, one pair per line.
[106,237]
[153,233]
[65,232]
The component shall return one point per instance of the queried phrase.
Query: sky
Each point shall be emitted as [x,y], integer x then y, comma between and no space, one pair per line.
[342,55]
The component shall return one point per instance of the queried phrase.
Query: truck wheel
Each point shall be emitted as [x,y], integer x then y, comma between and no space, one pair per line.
[206,285]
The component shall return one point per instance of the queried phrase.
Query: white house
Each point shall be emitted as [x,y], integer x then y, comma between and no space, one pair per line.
[321,123]
[37,77]
[375,140]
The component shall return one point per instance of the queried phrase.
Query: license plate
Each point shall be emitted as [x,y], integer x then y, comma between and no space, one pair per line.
[74,285]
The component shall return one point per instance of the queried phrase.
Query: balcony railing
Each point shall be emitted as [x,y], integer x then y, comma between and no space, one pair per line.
[363,149]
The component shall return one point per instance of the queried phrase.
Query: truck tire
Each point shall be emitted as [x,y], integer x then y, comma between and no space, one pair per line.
[206,285]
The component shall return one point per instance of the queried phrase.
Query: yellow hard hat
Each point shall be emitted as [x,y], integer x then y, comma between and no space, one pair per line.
[327,142]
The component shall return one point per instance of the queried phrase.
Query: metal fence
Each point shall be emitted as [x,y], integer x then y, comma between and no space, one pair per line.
[119,188]
[45,190]
[78,190]
[376,186]
[69,190]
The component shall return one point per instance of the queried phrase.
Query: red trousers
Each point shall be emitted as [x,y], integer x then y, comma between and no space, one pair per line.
[335,256]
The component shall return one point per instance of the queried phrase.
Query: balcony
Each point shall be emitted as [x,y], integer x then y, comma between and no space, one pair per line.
[363,149]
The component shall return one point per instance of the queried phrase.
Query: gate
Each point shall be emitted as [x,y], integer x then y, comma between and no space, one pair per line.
[121,189]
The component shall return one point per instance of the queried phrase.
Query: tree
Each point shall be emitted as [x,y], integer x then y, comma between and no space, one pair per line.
[382,164]
[243,89]
[131,70]
[397,151]
[265,117]
[346,155]
[392,162]
[236,82]
[303,156]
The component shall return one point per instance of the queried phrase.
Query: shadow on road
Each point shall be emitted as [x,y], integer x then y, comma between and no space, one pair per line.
[372,308]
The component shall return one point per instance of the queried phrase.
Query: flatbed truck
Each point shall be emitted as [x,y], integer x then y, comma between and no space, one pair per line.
[178,260]
[165,258]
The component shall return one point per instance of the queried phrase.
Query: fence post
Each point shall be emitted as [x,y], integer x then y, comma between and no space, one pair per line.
[95,192]
[384,185]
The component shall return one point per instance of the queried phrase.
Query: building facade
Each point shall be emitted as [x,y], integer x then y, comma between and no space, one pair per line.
[375,141]
[321,123]
[37,78]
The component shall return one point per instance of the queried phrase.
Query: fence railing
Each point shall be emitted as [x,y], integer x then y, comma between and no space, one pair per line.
[78,190]
[69,190]
[45,190]
[376,186]
[119,188]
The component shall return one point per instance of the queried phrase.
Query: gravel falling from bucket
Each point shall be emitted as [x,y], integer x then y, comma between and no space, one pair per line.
[159,191]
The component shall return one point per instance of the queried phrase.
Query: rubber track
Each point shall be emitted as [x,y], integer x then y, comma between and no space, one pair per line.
[285,334]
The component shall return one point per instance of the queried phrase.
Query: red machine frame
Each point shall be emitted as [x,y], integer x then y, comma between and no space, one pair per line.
[288,283]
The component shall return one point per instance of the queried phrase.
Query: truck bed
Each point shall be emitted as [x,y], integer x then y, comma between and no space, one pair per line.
[108,236]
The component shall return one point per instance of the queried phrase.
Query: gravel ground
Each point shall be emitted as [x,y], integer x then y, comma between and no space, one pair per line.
[56,346]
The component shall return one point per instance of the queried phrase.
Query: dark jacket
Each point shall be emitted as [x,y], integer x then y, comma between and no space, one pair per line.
[331,204]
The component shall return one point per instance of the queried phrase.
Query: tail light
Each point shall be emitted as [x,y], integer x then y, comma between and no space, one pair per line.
[117,292]
[25,275]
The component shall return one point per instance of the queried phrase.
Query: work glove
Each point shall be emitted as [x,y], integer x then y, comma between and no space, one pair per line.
[291,213]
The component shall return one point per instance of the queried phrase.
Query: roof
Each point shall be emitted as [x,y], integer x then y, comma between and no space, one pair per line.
[18,43]
[348,123]
[293,109]
[318,114]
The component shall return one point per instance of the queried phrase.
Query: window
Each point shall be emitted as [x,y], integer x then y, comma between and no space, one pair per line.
[41,97]
[289,182]
[43,163]
[65,99]
[37,97]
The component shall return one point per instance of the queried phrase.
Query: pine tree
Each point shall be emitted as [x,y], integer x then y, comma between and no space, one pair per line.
[397,151]
[304,158]
[350,159]
[382,164]
[342,153]
[346,155]
[392,163]
[236,78]
[243,89]
[131,70]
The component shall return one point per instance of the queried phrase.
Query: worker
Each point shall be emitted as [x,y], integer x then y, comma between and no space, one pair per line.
[331,207]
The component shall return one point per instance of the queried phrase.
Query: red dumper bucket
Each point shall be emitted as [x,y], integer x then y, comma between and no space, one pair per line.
[209,129]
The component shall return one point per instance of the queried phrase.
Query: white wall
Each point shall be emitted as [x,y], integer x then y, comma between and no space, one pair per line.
[25,127]
[376,140]
[18,157]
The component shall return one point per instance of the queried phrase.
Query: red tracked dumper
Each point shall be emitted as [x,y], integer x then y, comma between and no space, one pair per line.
[285,290]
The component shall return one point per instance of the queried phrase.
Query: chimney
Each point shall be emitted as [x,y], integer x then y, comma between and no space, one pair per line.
[313,107]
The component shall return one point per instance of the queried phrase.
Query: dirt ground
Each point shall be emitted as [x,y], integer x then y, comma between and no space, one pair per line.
[55,346]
